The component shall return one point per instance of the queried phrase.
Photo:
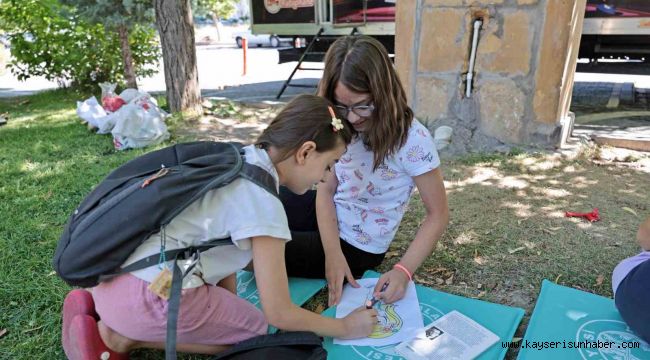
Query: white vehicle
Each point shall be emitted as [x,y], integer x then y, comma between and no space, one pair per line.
[271,40]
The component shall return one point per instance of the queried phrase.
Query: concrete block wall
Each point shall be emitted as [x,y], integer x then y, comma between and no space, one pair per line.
[523,72]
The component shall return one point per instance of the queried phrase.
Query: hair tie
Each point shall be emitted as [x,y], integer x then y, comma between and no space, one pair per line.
[337,124]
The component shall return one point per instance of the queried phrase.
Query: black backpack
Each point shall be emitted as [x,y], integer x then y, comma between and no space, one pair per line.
[137,200]
[296,345]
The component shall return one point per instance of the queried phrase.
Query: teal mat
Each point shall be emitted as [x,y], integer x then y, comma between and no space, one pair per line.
[568,316]
[501,320]
[300,289]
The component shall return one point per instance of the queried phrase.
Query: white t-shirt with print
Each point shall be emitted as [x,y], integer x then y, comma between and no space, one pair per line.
[240,210]
[370,205]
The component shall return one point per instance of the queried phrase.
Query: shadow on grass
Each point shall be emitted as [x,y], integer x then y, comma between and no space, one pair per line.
[508,231]
[48,163]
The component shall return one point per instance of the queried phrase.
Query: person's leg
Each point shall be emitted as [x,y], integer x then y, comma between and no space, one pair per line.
[300,209]
[360,261]
[304,255]
[90,338]
[210,317]
[633,300]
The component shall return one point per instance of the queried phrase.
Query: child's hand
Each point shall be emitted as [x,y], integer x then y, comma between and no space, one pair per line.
[359,323]
[336,270]
[396,289]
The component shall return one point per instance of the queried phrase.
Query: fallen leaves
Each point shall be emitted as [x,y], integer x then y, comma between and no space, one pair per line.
[207,104]
[480,260]
[630,211]
[3,332]
[599,280]
[548,231]
[424,281]
[391,254]
[552,230]
[33,329]
[512,251]
[450,280]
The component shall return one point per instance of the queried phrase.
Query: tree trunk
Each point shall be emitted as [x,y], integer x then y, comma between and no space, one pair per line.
[176,28]
[127,58]
[215,19]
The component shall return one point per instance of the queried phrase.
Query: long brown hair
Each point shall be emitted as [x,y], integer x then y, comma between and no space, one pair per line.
[361,63]
[304,118]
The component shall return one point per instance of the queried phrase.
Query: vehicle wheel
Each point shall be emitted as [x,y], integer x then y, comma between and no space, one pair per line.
[239,42]
[275,41]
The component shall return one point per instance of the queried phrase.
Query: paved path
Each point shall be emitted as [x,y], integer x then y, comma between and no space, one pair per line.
[220,74]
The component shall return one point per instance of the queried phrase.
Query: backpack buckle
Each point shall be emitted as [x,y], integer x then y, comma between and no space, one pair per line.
[191,257]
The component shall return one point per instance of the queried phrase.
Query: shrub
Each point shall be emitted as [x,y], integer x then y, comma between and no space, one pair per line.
[50,40]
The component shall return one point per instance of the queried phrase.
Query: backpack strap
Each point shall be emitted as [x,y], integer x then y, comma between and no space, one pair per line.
[169,254]
[174,304]
[260,177]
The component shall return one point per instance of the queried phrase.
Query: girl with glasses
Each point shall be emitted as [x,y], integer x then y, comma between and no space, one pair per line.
[346,226]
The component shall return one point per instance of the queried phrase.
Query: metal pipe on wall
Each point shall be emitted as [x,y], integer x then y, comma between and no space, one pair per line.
[472,57]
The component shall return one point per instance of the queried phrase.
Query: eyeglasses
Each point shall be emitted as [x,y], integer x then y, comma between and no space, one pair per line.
[361,110]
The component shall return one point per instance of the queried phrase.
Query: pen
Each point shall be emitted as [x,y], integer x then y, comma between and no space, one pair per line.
[371,303]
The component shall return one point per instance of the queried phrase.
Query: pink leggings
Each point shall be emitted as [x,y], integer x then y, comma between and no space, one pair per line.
[208,315]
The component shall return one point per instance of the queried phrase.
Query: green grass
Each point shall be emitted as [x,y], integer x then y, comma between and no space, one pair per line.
[48,163]
[507,229]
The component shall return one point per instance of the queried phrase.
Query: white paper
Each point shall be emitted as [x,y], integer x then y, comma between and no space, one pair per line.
[398,322]
[453,336]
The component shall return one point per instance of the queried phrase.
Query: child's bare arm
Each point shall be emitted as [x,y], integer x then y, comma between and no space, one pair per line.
[271,278]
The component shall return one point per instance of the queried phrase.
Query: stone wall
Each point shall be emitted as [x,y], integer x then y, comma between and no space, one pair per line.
[523,72]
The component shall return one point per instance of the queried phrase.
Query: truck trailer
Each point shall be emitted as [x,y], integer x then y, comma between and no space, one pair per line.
[612,28]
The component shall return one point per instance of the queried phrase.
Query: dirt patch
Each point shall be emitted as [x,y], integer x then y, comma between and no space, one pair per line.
[228,121]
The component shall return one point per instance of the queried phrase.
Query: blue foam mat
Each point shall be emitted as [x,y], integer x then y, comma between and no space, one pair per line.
[300,289]
[501,320]
[570,317]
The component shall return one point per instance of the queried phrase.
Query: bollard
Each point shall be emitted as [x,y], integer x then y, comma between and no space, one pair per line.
[244,47]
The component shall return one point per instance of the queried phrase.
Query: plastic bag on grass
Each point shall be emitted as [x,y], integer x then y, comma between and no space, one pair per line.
[140,124]
[110,101]
[90,111]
